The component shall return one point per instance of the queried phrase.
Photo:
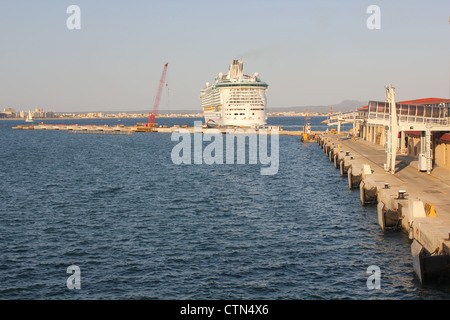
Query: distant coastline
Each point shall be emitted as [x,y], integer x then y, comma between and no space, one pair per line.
[273,115]
[41,114]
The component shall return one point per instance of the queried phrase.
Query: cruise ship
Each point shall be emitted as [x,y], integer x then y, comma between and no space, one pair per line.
[235,99]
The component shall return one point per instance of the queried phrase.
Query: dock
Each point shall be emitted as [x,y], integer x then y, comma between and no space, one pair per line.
[80,129]
[409,200]
[128,130]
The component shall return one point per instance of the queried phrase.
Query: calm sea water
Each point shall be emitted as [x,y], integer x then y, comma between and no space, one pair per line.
[140,227]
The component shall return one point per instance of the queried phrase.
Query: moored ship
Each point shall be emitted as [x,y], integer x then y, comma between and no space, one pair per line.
[235,99]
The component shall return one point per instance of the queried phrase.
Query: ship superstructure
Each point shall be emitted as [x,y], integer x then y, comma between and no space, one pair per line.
[235,99]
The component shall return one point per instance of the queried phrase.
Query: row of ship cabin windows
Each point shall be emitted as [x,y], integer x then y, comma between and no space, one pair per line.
[244,118]
[238,114]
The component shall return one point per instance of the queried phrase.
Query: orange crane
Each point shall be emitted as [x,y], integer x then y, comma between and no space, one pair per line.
[152,115]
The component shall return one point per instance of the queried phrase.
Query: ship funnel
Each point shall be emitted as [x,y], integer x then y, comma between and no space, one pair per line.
[236,69]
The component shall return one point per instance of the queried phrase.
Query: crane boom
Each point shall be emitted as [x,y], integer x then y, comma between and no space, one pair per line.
[152,115]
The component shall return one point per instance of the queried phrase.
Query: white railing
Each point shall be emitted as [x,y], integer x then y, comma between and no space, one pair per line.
[409,119]
[424,120]
[345,117]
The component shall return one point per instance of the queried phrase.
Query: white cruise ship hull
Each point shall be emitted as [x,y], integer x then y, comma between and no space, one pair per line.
[235,99]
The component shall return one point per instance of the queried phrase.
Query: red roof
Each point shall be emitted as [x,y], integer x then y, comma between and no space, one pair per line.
[438,135]
[426,101]
[414,133]
[445,137]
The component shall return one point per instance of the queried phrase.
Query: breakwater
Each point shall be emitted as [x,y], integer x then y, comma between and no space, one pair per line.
[154,129]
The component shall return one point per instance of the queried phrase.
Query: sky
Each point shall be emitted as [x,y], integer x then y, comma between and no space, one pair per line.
[311,53]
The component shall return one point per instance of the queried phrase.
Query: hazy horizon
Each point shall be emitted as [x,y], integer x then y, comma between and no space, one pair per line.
[311,53]
[347,105]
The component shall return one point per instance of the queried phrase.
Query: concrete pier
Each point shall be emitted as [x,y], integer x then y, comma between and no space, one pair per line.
[408,200]
[156,129]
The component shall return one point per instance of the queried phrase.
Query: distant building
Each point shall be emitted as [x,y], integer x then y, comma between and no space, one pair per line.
[38,113]
[432,111]
[10,112]
[49,114]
